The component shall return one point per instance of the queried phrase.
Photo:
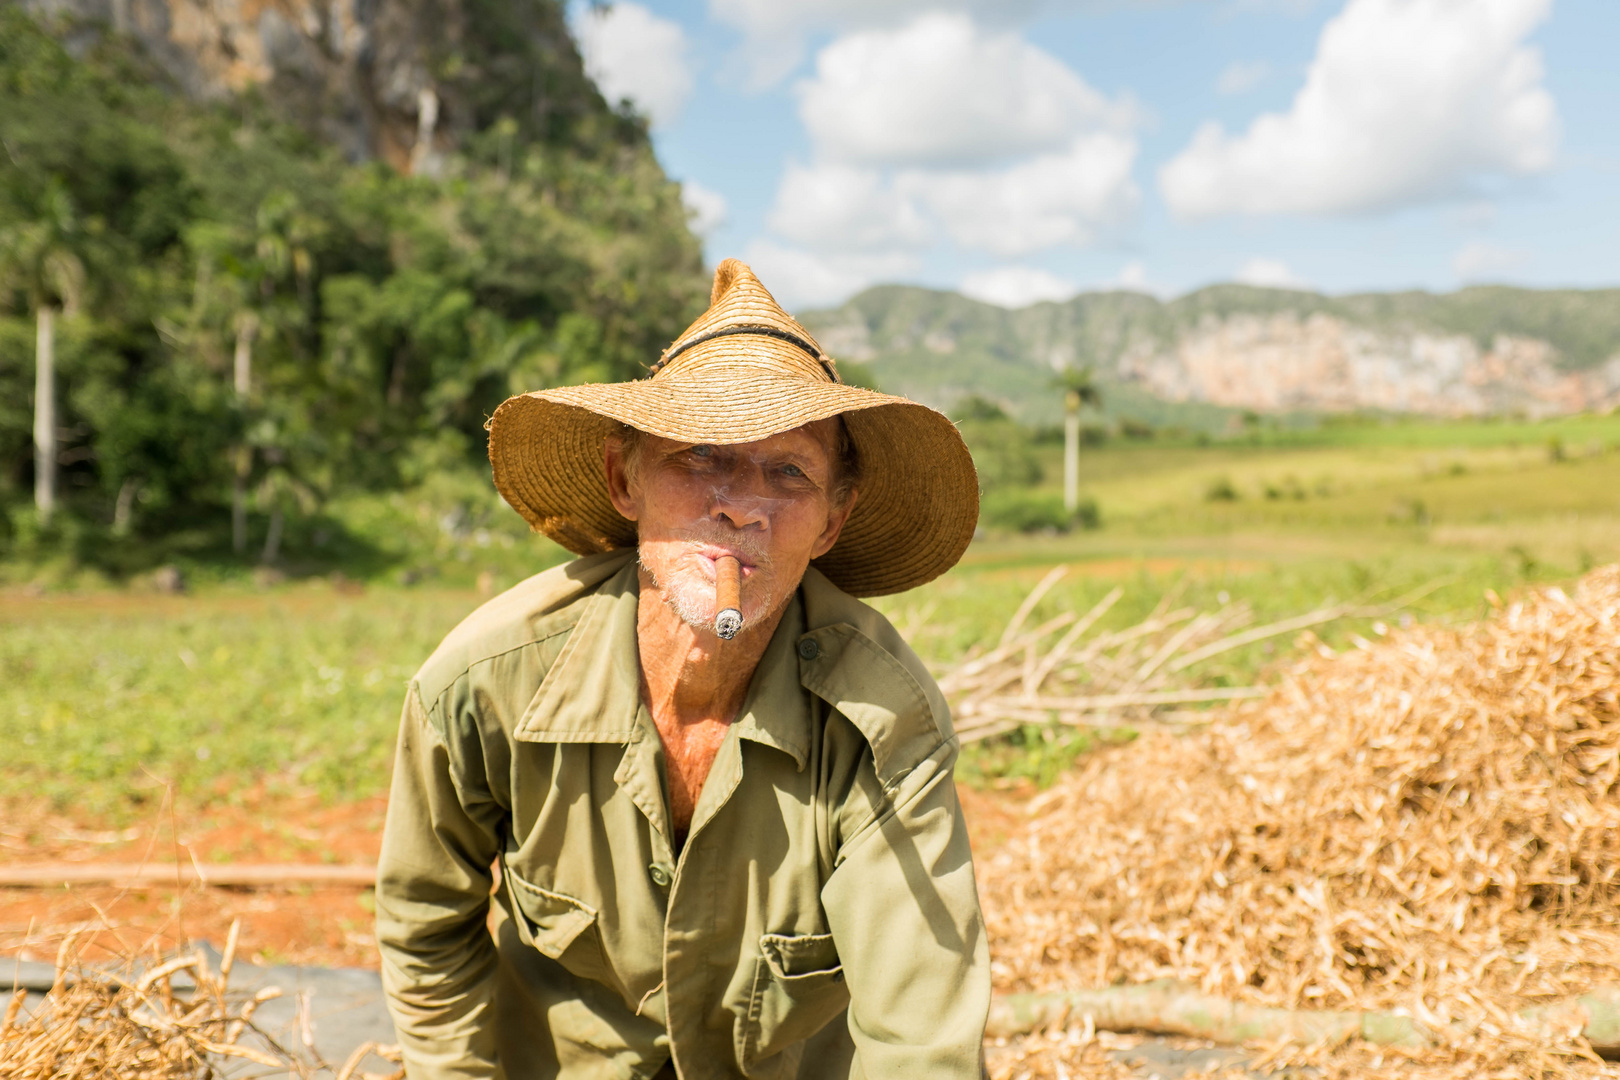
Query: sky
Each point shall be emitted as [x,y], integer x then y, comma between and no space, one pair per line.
[1026,150]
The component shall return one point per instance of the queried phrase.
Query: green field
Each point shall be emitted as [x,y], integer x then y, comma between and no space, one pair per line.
[1308,517]
[108,696]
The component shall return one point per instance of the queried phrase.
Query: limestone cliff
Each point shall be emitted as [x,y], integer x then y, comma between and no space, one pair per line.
[1323,363]
[1480,351]
[400,80]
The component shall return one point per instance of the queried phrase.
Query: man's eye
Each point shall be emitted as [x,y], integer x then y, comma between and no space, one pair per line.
[793,471]
[702,450]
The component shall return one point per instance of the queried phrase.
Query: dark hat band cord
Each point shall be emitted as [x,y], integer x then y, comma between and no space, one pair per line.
[766,331]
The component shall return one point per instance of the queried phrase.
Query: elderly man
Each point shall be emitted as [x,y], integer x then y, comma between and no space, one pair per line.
[709,857]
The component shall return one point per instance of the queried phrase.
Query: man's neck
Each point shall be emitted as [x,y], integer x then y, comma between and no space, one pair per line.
[688,675]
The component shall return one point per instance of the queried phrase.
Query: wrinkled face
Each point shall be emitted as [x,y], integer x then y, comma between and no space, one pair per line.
[770,503]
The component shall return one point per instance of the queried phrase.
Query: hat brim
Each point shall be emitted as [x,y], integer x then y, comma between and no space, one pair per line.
[919,493]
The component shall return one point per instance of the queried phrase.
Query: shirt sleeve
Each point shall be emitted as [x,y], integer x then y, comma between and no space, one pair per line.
[904,911]
[433,891]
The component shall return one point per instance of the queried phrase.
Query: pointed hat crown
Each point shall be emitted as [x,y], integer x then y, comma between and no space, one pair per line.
[740,305]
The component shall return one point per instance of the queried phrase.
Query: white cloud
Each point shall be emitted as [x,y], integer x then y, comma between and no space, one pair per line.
[941,91]
[1016,286]
[1239,77]
[1022,157]
[774,31]
[802,279]
[633,54]
[706,209]
[1480,261]
[1406,100]
[1133,277]
[1054,200]
[843,206]
[1270,274]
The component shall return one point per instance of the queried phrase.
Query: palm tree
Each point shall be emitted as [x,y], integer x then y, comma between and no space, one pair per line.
[247,328]
[42,259]
[1080,389]
[254,263]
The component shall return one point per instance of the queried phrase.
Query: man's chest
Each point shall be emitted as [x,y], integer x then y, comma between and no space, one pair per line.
[689,752]
[603,888]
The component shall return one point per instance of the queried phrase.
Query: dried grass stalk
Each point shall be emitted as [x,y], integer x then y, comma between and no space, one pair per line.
[1128,675]
[134,1023]
[127,1025]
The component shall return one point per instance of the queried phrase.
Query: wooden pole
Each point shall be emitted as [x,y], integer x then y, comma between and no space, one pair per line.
[1168,1007]
[240,875]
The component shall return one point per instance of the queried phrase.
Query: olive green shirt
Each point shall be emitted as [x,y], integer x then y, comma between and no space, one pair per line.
[821,919]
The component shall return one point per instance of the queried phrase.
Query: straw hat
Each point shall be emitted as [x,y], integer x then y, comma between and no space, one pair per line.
[745,370]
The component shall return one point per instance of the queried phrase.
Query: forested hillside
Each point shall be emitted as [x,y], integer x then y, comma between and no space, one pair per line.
[247,314]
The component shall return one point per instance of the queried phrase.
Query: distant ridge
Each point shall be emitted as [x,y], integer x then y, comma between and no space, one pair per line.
[1483,350]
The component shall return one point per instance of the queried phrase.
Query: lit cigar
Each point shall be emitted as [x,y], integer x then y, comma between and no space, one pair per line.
[728,596]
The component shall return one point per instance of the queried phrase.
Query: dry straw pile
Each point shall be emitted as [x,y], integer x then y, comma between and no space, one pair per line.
[1430,823]
[132,1024]
[174,1019]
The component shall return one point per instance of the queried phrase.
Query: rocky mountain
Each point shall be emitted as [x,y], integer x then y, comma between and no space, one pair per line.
[1481,351]
[404,81]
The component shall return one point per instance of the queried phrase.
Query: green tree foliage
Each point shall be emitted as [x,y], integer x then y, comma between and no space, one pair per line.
[1025,511]
[1003,450]
[380,317]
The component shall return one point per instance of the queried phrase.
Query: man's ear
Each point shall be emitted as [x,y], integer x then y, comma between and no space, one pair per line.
[618,478]
[835,525]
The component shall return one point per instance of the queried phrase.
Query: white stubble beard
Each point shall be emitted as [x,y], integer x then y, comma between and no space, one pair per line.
[695,611]
[695,605]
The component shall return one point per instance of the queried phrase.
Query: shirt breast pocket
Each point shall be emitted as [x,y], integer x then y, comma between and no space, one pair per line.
[798,989]
[560,926]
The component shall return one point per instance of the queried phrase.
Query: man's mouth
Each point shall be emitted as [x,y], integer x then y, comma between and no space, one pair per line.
[745,559]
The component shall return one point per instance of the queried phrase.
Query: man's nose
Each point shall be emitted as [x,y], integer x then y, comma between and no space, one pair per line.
[742,501]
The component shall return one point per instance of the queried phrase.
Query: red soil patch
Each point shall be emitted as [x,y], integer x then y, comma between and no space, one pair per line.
[992,816]
[328,927]
[296,925]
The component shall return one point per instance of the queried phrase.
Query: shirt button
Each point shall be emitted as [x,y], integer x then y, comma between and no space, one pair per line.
[660,876]
[809,649]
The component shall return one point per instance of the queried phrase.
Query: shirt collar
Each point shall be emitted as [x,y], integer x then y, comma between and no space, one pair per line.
[776,711]
[593,689]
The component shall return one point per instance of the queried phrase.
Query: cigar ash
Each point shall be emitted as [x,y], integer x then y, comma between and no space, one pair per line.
[728,597]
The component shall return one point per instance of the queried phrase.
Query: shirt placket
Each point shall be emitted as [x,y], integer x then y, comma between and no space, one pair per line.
[692,925]
[640,777]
